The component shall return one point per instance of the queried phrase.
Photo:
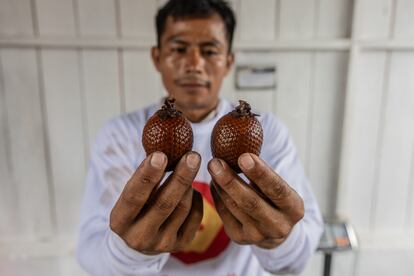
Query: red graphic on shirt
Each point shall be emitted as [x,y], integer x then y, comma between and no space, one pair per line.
[210,239]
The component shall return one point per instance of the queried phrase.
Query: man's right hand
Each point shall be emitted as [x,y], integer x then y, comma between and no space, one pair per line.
[153,220]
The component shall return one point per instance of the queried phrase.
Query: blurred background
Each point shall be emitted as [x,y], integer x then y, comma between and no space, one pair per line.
[343,74]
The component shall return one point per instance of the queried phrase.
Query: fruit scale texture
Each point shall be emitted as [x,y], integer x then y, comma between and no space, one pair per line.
[236,133]
[168,131]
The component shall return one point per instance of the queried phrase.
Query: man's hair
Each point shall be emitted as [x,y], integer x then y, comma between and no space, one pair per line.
[189,9]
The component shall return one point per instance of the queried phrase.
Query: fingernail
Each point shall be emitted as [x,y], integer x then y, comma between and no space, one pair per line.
[193,159]
[216,167]
[157,160]
[246,161]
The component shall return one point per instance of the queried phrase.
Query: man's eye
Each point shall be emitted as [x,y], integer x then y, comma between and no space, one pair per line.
[180,50]
[210,53]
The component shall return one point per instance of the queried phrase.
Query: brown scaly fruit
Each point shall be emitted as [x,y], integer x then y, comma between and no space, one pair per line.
[168,131]
[236,133]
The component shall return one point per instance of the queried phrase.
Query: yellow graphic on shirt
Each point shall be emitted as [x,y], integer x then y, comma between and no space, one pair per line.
[209,228]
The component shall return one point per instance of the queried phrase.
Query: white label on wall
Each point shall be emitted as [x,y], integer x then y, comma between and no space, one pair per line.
[255,77]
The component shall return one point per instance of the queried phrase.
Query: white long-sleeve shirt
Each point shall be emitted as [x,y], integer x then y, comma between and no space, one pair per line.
[117,153]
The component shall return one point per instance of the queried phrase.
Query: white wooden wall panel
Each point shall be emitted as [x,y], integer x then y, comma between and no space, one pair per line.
[41,266]
[333,18]
[27,143]
[8,204]
[83,89]
[325,124]
[291,99]
[314,267]
[397,146]
[228,89]
[297,19]
[137,18]
[235,5]
[66,137]
[404,19]
[56,17]
[142,83]
[97,17]
[343,264]
[374,18]
[386,261]
[360,168]
[410,214]
[15,18]
[101,82]
[161,2]
[264,14]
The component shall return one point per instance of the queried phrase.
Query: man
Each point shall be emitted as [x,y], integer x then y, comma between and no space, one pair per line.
[136,221]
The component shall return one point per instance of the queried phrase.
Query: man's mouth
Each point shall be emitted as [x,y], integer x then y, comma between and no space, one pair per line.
[192,83]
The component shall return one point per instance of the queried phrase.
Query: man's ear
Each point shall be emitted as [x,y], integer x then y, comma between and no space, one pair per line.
[229,62]
[155,55]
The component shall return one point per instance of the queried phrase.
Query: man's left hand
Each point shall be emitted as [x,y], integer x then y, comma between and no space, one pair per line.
[262,213]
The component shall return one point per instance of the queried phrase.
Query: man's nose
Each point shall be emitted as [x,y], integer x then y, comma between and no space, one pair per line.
[194,61]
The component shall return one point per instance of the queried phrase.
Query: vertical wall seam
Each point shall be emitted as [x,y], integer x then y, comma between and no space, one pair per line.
[84,103]
[316,18]
[309,123]
[45,120]
[240,19]
[410,194]
[7,138]
[238,15]
[76,19]
[275,35]
[3,110]
[311,102]
[312,84]
[120,58]
[381,125]
[393,19]
[82,87]
[408,200]
[311,106]
[46,140]
[35,23]
[278,20]
[121,80]
[118,21]
[380,140]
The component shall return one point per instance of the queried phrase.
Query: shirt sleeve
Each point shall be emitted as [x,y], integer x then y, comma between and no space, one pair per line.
[293,254]
[100,251]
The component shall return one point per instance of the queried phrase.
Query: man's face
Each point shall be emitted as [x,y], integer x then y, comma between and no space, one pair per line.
[193,59]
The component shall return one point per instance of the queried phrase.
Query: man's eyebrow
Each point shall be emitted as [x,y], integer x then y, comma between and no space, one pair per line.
[176,39]
[212,42]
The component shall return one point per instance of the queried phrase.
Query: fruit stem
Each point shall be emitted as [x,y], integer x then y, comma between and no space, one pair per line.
[168,109]
[243,110]
[168,103]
